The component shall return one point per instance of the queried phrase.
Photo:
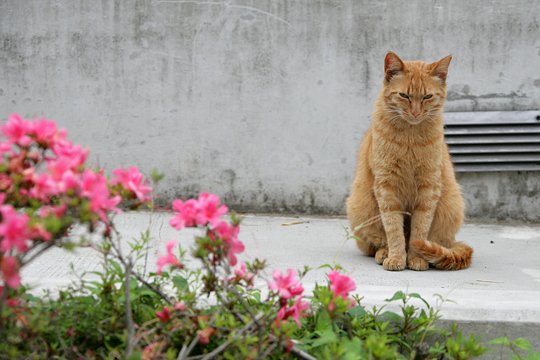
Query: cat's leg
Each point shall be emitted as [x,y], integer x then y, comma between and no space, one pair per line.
[392,220]
[448,217]
[427,200]
[362,212]
[442,250]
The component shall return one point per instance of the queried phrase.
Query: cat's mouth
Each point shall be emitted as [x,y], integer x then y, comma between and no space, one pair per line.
[414,121]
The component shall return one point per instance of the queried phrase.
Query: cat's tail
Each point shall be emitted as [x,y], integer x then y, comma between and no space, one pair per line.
[457,257]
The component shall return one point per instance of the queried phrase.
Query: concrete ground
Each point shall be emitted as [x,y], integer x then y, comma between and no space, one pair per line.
[500,290]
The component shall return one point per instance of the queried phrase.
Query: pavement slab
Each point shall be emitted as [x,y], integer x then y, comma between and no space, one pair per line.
[502,285]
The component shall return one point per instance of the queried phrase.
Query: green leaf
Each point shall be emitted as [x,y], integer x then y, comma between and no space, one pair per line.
[53,224]
[357,311]
[135,356]
[117,268]
[323,321]
[399,295]
[325,266]
[417,296]
[352,348]
[523,344]
[326,337]
[180,282]
[156,176]
[500,341]
[256,296]
[390,316]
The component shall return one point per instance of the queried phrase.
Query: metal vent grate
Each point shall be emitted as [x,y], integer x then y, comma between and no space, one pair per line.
[493,140]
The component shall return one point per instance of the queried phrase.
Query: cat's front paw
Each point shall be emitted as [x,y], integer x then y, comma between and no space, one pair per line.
[417,263]
[394,263]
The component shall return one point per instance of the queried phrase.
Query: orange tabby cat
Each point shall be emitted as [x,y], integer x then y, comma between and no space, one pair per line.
[404,167]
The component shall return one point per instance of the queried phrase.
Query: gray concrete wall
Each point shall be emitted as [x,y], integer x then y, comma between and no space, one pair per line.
[502,196]
[261,102]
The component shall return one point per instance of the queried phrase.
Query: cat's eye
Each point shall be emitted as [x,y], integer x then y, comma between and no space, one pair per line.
[403,95]
[428,97]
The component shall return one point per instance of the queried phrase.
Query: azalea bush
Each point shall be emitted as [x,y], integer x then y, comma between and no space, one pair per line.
[46,188]
[199,303]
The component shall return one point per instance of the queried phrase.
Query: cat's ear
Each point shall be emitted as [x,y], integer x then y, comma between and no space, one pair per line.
[392,65]
[440,68]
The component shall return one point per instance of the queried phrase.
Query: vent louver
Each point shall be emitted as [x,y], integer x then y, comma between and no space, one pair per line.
[494,140]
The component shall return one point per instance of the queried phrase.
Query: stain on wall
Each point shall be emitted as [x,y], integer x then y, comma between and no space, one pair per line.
[502,195]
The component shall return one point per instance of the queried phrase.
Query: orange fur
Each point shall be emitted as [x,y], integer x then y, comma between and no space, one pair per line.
[456,258]
[404,167]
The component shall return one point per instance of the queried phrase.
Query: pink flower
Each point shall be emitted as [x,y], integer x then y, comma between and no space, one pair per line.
[164,315]
[69,180]
[5,181]
[341,285]
[57,167]
[185,214]
[209,210]
[71,156]
[10,271]
[94,187]
[169,258]
[287,286]
[57,211]
[295,311]
[17,130]
[240,273]
[205,334]
[204,211]
[229,234]
[5,149]
[13,303]
[198,212]
[180,306]
[13,229]
[63,174]
[132,180]
[38,232]
[44,187]
[47,185]
[46,132]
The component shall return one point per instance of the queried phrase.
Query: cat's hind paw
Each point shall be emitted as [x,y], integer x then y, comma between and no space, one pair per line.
[417,263]
[394,263]
[380,255]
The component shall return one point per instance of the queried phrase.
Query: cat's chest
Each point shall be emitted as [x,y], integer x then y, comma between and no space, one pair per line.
[406,165]
[406,156]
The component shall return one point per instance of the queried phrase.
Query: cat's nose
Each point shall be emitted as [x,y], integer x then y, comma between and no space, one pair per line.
[416,113]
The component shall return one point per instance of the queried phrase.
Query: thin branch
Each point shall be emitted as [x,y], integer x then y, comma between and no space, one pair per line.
[186,350]
[224,345]
[3,299]
[301,353]
[37,253]
[226,302]
[260,343]
[129,315]
[153,288]
[137,276]
[268,351]
[244,304]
